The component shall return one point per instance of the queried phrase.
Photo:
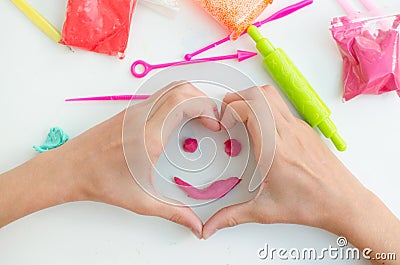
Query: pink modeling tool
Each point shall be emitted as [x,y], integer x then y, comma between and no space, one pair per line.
[240,56]
[371,7]
[106,98]
[352,12]
[281,13]
[347,7]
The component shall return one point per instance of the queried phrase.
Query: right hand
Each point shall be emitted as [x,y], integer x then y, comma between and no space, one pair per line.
[307,184]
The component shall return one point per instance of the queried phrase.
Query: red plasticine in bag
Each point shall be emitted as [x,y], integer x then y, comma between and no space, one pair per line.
[370,48]
[100,26]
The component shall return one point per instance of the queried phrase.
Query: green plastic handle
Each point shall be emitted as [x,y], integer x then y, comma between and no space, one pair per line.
[297,88]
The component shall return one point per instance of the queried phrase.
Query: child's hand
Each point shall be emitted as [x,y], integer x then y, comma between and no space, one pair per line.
[306,184]
[101,155]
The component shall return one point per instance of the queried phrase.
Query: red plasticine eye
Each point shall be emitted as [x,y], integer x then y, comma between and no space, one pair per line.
[216,190]
[233,147]
[190,145]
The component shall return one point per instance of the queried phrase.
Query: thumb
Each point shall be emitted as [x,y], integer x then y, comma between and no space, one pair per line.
[228,217]
[182,215]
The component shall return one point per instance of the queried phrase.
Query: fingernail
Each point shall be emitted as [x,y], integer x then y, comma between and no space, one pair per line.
[216,113]
[197,233]
[208,234]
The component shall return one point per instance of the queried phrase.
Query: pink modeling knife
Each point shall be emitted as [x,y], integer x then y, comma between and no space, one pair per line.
[281,13]
[106,98]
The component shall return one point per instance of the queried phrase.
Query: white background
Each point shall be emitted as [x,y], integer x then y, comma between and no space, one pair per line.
[36,75]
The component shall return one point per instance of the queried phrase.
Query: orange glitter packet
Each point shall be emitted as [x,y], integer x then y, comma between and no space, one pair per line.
[235,15]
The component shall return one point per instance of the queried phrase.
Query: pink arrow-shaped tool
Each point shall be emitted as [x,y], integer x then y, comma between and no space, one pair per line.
[240,56]
[280,14]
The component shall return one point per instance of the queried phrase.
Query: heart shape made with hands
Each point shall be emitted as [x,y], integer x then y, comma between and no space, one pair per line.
[209,163]
[208,166]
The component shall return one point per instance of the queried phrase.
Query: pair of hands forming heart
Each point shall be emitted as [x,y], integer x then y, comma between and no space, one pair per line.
[298,189]
[306,183]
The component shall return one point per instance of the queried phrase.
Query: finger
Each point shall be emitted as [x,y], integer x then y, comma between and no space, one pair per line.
[172,112]
[149,105]
[269,93]
[243,111]
[242,95]
[175,90]
[160,127]
[260,132]
[277,103]
[172,96]
[246,94]
[260,124]
[254,96]
[268,99]
[229,217]
[180,215]
[237,111]
[159,95]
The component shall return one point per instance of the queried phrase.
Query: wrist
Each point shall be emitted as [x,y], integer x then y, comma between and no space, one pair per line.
[72,162]
[350,215]
[63,174]
[366,222]
[347,202]
[90,159]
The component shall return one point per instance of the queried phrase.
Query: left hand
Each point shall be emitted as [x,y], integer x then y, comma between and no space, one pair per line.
[105,161]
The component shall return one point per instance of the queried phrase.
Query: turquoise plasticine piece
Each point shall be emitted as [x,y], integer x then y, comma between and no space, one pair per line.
[55,138]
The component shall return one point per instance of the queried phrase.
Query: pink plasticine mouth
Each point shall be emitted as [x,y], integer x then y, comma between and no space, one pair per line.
[216,190]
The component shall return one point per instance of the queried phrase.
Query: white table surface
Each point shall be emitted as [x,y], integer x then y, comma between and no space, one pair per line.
[36,75]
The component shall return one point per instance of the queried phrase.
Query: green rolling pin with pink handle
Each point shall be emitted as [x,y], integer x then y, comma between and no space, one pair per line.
[297,88]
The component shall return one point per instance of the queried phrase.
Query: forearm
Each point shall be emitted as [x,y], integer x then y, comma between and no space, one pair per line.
[40,183]
[371,225]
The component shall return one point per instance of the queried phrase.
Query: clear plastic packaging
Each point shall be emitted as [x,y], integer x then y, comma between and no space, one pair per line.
[100,26]
[165,7]
[235,15]
[370,50]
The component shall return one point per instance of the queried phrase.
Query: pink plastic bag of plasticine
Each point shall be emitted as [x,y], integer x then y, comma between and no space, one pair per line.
[235,15]
[370,50]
